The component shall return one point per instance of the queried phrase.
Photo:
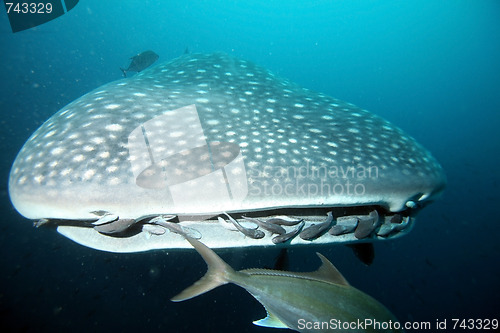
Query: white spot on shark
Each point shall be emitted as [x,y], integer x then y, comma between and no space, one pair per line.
[114,127]
[112,106]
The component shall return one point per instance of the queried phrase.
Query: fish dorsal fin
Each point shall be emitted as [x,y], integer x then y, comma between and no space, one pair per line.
[270,321]
[326,273]
[329,273]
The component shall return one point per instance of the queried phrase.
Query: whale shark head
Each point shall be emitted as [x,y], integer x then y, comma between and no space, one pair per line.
[209,133]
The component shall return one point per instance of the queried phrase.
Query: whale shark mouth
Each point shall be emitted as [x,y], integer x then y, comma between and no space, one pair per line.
[223,150]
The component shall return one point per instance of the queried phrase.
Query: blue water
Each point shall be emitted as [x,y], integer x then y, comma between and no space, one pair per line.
[430,67]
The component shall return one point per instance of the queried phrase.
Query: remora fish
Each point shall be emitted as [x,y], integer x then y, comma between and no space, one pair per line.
[293,300]
[140,62]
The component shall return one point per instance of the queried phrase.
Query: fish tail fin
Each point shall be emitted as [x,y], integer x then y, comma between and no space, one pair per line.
[124,72]
[218,274]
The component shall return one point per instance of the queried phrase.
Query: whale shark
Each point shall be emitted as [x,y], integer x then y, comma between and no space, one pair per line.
[223,150]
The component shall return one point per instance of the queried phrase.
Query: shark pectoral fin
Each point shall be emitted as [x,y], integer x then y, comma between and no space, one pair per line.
[270,321]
